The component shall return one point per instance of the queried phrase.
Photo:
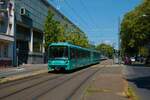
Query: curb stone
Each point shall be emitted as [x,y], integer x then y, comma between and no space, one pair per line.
[17,77]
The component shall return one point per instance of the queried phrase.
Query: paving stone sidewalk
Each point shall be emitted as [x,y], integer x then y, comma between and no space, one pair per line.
[13,73]
[107,85]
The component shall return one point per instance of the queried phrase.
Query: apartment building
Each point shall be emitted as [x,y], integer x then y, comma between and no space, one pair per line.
[22,30]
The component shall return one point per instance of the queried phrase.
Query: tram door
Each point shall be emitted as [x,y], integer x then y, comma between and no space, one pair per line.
[23,50]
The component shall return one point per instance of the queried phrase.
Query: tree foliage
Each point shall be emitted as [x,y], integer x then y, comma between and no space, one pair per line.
[105,49]
[135,29]
[57,32]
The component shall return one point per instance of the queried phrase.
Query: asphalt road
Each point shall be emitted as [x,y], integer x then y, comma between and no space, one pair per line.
[49,86]
[139,79]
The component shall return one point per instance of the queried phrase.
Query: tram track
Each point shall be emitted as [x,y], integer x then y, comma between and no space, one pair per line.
[79,86]
[55,77]
[39,83]
[59,84]
[12,83]
[67,80]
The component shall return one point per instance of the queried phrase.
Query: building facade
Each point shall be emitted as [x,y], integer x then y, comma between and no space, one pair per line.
[22,30]
[6,32]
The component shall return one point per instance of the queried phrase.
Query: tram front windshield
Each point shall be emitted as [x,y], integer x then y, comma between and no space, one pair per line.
[58,52]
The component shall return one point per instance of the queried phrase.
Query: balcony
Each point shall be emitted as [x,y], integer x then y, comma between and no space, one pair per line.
[5,37]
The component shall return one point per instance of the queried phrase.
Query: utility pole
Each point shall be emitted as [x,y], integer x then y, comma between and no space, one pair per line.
[119,40]
[113,45]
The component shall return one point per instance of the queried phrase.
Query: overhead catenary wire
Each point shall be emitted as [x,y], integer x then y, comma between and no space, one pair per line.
[80,20]
[77,15]
[84,23]
[88,14]
[57,4]
[91,18]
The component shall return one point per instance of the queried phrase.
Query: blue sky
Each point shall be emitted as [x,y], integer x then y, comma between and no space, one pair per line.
[97,18]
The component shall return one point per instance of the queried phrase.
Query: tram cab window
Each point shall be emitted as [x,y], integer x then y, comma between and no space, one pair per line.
[58,52]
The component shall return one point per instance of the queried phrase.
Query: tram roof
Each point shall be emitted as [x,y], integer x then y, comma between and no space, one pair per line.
[70,45]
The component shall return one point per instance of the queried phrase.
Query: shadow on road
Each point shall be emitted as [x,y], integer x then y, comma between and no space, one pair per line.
[142,82]
[139,65]
[135,65]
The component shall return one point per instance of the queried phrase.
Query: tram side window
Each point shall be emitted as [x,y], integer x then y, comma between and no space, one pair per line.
[73,53]
[88,54]
[77,53]
[80,53]
[83,55]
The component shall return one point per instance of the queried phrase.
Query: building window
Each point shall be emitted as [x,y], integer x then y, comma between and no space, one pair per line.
[6,51]
[37,42]
[3,7]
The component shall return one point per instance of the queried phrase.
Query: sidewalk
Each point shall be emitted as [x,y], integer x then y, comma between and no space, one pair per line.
[107,85]
[13,73]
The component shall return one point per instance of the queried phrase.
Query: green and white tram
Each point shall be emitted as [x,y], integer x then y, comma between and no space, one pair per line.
[66,56]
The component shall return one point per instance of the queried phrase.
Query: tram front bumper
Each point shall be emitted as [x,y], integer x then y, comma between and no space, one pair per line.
[57,67]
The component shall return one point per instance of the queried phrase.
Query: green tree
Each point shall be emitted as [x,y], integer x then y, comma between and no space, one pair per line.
[57,32]
[105,49]
[135,29]
[51,29]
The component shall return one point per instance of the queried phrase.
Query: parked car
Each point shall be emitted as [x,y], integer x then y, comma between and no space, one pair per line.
[147,61]
[132,59]
[139,59]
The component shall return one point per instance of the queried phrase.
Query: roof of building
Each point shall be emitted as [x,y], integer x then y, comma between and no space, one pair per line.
[57,11]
